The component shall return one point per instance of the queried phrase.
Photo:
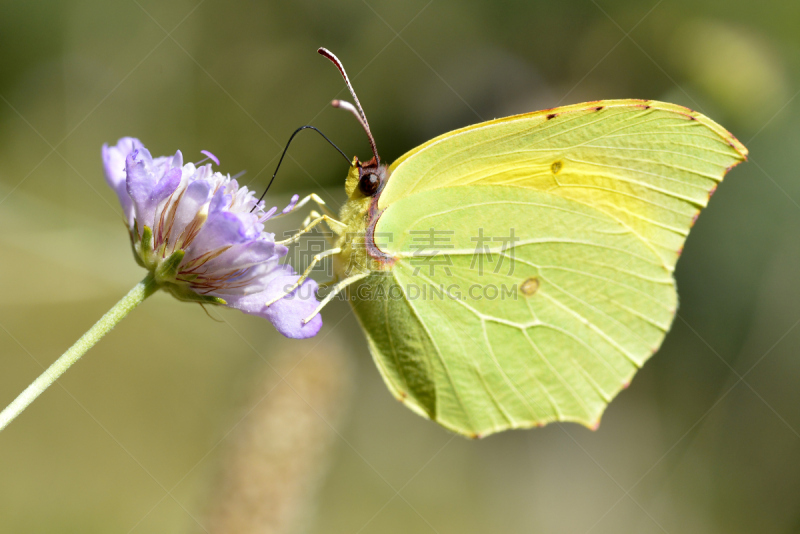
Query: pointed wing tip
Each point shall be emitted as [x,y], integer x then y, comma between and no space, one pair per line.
[690,114]
[727,136]
[738,147]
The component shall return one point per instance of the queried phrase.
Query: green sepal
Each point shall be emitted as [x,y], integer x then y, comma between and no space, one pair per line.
[167,270]
[161,250]
[135,249]
[146,247]
[185,294]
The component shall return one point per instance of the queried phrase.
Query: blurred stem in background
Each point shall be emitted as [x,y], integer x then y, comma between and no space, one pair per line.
[135,296]
[280,452]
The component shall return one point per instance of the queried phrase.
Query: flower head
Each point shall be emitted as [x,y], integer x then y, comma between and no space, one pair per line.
[203,236]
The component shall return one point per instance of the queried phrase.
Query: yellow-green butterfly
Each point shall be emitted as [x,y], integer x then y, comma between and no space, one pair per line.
[519,271]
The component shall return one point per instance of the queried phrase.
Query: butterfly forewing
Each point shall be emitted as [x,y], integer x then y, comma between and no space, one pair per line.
[650,165]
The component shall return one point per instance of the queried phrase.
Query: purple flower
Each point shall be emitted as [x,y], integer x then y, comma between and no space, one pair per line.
[194,230]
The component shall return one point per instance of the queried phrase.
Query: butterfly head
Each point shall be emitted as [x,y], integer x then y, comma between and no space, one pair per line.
[365,179]
[371,178]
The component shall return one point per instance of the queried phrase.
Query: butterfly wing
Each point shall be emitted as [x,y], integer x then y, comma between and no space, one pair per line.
[650,165]
[534,259]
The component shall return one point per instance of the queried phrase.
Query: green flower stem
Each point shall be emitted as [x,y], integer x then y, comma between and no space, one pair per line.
[136,296]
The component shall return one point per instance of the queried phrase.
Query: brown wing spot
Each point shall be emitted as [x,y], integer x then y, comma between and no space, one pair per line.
[598,108]
[552,116]
[529,286]
[556,167]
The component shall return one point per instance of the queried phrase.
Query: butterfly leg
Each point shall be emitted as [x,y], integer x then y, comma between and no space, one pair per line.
[335,229]
[328,283]
[336,226]
[335,290]
[322,206]
[313,214]
[304,276]
[303,201]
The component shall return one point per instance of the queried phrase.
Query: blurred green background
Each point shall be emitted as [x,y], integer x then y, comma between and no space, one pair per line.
[142,435]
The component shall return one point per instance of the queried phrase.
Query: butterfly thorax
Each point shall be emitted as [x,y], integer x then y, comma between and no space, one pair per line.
[359,251]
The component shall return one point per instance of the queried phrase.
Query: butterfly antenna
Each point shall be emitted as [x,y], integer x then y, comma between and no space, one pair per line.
[358,111]
[283,154]
[347,106]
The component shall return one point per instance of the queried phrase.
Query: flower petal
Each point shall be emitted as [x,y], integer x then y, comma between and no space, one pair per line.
[114,164]
[194,197]
[250,254]
[221,230]
[146,188]
[288,313]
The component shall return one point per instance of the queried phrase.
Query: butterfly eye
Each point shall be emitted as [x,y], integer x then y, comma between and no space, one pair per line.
[368,184]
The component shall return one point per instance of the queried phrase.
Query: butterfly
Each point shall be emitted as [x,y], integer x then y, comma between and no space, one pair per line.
[520,271]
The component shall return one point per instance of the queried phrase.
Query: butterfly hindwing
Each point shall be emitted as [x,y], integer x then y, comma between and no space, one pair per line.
[543,318]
